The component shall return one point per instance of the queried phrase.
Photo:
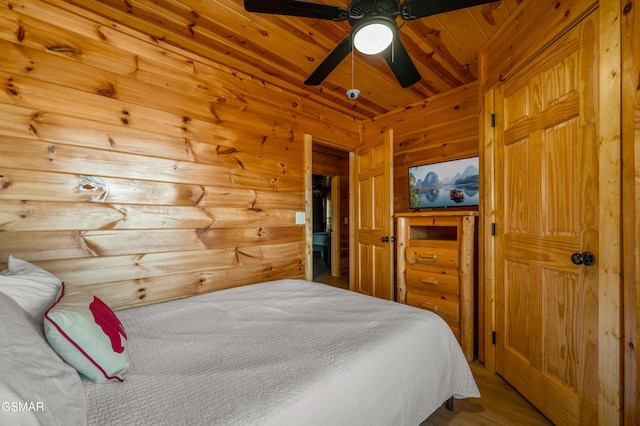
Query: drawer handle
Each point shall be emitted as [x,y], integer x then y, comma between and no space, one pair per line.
[428,256]
[429,280]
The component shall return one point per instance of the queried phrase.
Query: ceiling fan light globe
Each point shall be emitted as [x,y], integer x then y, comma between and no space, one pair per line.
[373,38]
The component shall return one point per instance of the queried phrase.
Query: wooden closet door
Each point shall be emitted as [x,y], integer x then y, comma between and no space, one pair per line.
[547,176]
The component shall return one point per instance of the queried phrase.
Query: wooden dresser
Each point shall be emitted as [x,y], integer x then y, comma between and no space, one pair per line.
[435,268]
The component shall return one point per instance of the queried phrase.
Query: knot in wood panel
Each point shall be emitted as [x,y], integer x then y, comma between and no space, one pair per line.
[36,118]
[28,211]
[124,119]
[142,293]
[214,113]
[109,91]
[202,280]
[11,89]
[197,193]
[64,48]
[487,12]
[222,151]
[93,185]
[20,33]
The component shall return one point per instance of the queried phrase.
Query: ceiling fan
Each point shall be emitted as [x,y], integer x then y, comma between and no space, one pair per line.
[373,23]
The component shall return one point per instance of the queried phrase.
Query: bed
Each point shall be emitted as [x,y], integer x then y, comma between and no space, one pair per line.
[275,353]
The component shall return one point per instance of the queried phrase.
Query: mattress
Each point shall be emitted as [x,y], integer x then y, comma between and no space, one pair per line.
[282,353]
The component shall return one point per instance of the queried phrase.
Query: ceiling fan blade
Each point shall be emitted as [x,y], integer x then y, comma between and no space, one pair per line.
[330,62]
[304,9]
[401,64]
[416,9]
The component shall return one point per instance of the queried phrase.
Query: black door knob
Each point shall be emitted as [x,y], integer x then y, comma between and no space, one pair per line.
[576,258]
[385,239]
[587,258]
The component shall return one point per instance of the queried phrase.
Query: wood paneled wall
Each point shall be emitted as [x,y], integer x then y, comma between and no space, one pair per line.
[142,171]
[443,127]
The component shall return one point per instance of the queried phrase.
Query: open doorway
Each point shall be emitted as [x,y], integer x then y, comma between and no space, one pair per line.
[323,226]
[330,215]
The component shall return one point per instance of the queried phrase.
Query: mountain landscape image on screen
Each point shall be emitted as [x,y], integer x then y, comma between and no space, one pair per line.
[452,183]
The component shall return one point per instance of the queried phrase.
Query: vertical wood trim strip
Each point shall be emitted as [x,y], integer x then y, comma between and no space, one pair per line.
[401,249]
[352,221]
[466,242]
[335,226]
[630,204]
[308,206]
[486,244]
[609,400]
[388,188]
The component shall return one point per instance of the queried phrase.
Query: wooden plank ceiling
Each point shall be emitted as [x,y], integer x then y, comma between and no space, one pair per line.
[283,51]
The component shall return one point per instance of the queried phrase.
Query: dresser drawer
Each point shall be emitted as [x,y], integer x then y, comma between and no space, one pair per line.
[421,281]
[436,257]
[445,306]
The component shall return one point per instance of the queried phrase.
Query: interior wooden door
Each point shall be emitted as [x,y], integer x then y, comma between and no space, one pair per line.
[547,199]
[373,257]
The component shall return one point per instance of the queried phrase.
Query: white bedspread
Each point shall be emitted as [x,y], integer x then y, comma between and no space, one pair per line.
[286,352]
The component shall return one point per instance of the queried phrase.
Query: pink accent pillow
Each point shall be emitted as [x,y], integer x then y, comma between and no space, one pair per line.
[87,334]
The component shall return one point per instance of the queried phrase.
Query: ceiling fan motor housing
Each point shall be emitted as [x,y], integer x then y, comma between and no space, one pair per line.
[359,9]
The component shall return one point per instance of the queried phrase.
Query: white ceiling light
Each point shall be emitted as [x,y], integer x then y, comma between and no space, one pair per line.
[374,35]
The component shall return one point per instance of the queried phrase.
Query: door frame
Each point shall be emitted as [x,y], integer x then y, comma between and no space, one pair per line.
[308,142]
[552,26]
[308,206]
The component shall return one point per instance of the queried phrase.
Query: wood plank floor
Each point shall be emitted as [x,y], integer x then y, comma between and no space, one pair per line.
[322,275]
[498,405]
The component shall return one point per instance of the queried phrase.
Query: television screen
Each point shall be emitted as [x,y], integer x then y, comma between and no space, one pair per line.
[447,184]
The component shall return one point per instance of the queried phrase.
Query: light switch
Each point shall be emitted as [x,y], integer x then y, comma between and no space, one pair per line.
[299,218]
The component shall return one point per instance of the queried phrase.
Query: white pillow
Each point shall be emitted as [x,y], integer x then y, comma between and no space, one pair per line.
[87,334]
[36,386]
[33,288]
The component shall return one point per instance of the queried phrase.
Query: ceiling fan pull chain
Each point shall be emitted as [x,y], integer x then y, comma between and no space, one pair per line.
[353,93]
[393,52]
[353,65]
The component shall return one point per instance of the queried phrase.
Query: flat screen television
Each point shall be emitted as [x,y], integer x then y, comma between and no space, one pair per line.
[446,184]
